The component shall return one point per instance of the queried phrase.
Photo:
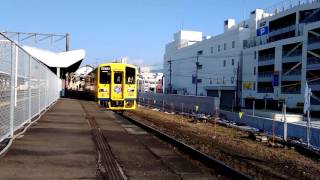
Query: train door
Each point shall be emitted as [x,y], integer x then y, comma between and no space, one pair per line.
[130,83]
[104,83]
[117,85]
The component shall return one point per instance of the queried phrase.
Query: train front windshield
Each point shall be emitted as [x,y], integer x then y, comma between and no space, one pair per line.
[105,75]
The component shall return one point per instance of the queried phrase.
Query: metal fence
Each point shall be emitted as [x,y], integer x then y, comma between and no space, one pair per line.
[27,87]
[210,106]
[180,103]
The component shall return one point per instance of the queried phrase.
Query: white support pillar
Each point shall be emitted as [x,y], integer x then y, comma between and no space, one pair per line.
[58,72]
[29,84]
[285,124]
[12,88]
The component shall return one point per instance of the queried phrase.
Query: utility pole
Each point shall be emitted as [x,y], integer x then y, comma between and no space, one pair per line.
[197,64]
[238,85]
[170,71]
[197,68]
[67,41]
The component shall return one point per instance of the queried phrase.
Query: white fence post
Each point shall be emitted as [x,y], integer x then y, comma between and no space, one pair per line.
[39,82]
[12,83]
[29,111]
[285,128]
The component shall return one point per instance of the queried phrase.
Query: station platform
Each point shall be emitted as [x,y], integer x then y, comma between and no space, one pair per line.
[61,146]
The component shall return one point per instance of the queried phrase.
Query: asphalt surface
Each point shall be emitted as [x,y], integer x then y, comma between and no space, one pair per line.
[60,146]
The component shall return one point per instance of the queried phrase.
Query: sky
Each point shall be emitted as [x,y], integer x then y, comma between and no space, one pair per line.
[111,29]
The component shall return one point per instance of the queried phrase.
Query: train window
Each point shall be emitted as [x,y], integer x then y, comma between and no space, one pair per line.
[130,75]
[117,78]
[105,75]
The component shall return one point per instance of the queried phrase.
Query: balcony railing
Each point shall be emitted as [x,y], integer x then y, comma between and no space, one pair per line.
[265,74]
[291,73]
[291,90]
[314,39]
[286,5]
[314,101]
[317,82]
[295,53]
[313,60]
[266,57]
[261,40]
[282,30]
[265,89]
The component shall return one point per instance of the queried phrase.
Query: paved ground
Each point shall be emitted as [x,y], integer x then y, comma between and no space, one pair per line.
[60,146]
[141,155]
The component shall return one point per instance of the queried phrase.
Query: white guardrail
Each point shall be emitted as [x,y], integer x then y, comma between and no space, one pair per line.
[27,88]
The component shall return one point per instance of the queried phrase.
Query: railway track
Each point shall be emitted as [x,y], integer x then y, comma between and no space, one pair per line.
[108,168]
[210,162]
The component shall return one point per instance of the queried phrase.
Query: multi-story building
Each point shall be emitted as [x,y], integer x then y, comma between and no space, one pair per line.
[267,58]
[209,66]
[149,81]
[282,56]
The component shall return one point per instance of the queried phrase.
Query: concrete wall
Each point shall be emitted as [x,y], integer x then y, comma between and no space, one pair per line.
[266,124]
[180,103]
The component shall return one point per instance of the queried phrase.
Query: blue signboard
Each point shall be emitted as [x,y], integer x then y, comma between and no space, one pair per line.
[263,31]
[193,79]
[275,80]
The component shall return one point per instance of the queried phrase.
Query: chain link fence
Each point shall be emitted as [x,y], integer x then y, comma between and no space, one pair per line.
[27,87]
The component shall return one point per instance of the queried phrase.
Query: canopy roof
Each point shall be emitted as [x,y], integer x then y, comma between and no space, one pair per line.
[54,59]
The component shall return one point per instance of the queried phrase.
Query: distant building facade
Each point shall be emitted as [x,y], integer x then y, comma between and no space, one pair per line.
[75,81]
[150,81]
[281,57]
[266,58]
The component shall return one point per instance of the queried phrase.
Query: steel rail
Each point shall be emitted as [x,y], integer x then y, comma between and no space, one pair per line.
[209,161]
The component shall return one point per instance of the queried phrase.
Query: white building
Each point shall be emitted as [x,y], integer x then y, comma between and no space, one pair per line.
[282,56]
[150,81]
[75,81]
[282,45]
[218,60]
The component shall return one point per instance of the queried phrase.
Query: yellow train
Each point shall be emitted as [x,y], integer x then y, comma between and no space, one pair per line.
[114,85]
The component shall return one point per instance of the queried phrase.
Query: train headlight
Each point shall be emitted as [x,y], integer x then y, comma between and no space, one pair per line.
[103,90]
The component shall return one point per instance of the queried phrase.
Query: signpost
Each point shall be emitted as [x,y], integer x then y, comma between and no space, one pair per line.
[306,109]
[275,79]
[263,31]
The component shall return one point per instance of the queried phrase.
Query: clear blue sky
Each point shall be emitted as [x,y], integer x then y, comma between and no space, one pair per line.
[138,29]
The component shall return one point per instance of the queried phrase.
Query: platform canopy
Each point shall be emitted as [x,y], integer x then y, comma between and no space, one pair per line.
[54,59]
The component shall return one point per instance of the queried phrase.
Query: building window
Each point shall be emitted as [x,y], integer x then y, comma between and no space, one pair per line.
[254,71]
[225,46]
[233,44]
[254,86]
[255,54]
[199,80]
[219,48]
[211,49]
[224,63]
[232,62]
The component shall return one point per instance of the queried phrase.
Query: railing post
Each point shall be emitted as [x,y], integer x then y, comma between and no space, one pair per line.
[181,107]
[39,108]
[14,59]
[29,111]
